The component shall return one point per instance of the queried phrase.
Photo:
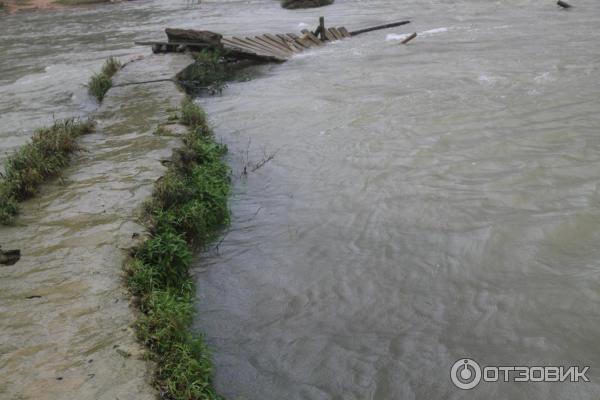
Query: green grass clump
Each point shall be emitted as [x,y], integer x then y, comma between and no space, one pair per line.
[101,82]
[45,156]
[188,206]
[208,73]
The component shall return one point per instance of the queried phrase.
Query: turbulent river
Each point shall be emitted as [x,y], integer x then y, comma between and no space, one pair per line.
[423,203]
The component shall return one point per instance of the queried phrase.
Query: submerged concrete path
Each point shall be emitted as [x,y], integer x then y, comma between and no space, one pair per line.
[65,317]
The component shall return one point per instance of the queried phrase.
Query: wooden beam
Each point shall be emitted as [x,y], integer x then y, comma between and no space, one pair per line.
[291,42]
[344,32]
[265,42]
[329,36]
[336,33]
[295,40]
[283,42]
[321,29]
[312,37]
[268,47]
[239,50]
[276,43]
[379,27]
[246,45]
[409,38]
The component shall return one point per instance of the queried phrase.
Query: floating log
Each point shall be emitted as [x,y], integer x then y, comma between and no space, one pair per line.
[379,27]
[409,38]
[563,4]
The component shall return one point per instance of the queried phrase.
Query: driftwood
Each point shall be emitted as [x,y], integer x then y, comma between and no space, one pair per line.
[210,39]
[409,38]
[264,48]
[563,4]
[294,4]
[379,27]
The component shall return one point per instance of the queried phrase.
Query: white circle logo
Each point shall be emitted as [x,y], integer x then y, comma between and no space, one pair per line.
[465,374]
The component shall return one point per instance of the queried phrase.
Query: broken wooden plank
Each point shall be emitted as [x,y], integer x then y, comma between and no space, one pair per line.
[265,47]
[409,38]
[238,53]
[376,28]
[336,33]
[242,53]
[261,41]
[268,48]
[329,36]
[312,37]
[291,42]
[305,40]
[273,44]
[296,40]
[254,46]
[344,32]
[245,45]
[259,48]
[280,42]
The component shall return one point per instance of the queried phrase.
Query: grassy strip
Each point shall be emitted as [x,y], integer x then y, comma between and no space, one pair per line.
[45,156]
[187,207]
[101,82]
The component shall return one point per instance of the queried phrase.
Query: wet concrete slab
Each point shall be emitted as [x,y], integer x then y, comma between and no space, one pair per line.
[65,315]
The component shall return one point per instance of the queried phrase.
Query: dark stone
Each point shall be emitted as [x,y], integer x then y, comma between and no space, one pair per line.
[9,257]
[210,39]
[292,4]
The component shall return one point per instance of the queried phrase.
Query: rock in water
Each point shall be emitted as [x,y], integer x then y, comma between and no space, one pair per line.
[211,39]
[9,257]
[292,4]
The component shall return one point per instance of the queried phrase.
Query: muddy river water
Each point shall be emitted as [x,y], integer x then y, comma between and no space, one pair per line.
[424,203]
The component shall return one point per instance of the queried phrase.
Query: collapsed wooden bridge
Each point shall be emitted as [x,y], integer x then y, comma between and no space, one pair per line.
[266,47]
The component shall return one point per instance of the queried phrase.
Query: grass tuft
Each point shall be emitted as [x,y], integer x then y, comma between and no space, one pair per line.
[45,156]
[187,208]
[101,82]
[208,73]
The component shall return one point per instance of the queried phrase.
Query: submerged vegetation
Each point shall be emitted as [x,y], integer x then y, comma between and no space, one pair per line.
[208,73]
[45,156]
[188,205]
[101,82]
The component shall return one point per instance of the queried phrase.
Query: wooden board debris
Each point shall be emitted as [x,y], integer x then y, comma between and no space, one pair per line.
[267,47]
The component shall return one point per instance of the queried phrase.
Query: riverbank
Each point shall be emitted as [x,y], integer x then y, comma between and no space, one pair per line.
[11,6]
[66,321]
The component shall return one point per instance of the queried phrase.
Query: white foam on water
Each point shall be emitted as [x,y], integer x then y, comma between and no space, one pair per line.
[434,31]
[393,36]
